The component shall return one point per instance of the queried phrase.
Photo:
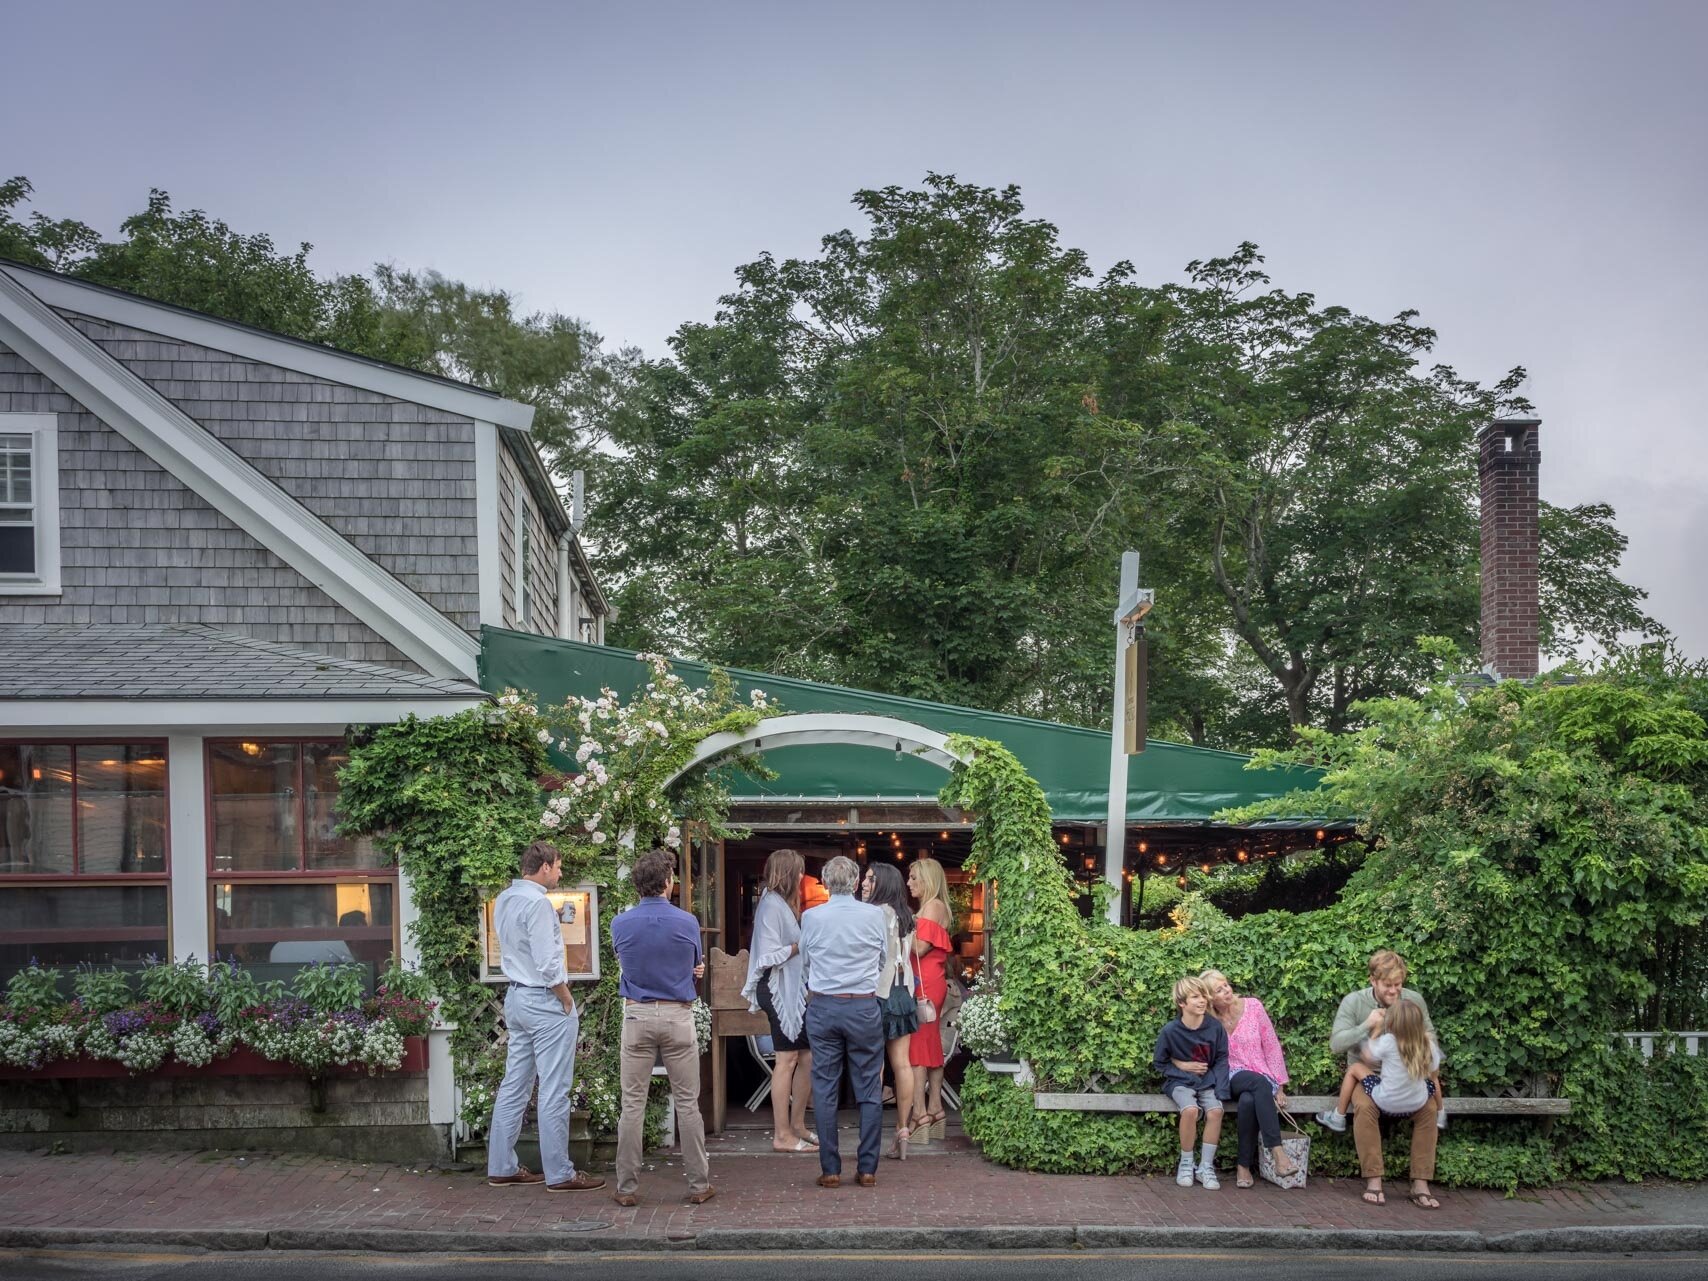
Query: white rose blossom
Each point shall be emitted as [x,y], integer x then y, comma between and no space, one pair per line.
[550,819]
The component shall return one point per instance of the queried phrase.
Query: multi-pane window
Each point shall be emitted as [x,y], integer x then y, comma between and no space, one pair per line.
[29,505]
[17,506]
[286,888]
[83,863]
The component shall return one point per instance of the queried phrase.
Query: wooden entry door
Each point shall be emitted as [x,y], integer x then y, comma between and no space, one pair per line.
[700,869]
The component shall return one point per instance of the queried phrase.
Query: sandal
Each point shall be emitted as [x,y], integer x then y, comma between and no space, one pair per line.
[899,1151]
[799,1145]
[1375,1196]
[1243,1179]
[935,1125]
[1425,1201]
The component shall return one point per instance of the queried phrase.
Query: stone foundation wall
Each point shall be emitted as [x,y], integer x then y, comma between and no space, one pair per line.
[366,1118]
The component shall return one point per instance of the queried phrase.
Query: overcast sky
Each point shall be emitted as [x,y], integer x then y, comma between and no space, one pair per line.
[1530,176]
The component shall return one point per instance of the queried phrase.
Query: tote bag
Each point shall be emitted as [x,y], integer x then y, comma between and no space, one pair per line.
[1297,1146]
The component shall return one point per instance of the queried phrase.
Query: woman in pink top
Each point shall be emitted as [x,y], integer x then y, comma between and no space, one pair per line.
[1257,1074]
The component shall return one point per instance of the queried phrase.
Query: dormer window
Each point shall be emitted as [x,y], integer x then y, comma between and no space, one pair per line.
[29,505]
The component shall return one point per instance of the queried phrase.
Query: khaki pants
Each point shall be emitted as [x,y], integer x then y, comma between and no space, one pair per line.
[1367,1136]
[652,1033]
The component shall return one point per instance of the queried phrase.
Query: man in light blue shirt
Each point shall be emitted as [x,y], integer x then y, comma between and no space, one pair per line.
[842,951]
[541,1018]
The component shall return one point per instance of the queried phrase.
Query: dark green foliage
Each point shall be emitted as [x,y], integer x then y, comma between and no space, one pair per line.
[1538,850]
[453,799]
[421,320]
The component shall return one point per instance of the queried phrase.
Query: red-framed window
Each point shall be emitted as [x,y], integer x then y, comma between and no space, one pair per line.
[85,851]
[72,808]
[285,889]
[273,810]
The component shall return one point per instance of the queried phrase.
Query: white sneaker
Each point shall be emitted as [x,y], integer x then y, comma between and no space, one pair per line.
[1335,1121]
[1440,1117]
[1206,1174]
[1183,1174]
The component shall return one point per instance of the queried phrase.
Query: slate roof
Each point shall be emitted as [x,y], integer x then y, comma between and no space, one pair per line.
[183,661]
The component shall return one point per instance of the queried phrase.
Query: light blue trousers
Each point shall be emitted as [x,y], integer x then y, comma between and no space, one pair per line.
[542,1045]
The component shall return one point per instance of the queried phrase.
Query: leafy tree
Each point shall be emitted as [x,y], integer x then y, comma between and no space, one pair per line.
[886,465]
[1334,486]
[421,320]
[910,462]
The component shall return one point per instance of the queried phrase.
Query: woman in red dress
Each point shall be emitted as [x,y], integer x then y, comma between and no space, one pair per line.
[932,923]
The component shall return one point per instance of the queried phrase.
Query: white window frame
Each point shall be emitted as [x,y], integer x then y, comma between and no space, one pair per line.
[44,494]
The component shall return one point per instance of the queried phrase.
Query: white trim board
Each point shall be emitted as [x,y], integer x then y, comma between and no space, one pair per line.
[273,349]
[489,555]
[75,717]
[233,487]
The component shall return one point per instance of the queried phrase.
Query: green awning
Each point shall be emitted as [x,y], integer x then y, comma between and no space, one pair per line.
[1167,783]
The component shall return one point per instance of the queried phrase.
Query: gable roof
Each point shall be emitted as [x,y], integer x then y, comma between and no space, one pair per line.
[235,488]
[182,661]
[317,360]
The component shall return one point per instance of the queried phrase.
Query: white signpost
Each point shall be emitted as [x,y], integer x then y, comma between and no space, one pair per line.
[1126,730]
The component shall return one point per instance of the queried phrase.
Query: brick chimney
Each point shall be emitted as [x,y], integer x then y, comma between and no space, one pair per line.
[1508,464]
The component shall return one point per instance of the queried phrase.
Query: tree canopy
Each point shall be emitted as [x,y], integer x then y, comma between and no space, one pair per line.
[910,462]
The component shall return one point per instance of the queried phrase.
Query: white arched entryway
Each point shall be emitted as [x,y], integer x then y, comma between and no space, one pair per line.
[816,729]
[820,728]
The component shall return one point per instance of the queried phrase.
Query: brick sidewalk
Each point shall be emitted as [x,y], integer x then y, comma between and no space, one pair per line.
[957,1188]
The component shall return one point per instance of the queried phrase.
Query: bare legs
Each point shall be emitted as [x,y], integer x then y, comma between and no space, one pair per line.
[791,1086]
[927,1092]
[903,1072]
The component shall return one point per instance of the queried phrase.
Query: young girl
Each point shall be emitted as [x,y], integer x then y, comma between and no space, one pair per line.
[1398,1072]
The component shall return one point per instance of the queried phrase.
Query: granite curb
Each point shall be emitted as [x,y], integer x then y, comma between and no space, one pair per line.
[1657,1238]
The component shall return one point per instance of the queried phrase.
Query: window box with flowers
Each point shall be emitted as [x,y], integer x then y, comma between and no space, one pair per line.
[189,1019]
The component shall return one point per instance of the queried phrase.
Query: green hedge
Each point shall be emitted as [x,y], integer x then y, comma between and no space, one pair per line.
[1538,848]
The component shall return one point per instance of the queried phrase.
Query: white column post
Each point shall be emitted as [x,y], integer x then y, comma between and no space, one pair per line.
[186,785]
[1115,844]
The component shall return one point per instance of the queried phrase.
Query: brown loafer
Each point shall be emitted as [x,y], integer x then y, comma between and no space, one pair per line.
[704,1195]
[626,1199]
[830,1180]
[868,1180]
[522,1176]
[580,1183]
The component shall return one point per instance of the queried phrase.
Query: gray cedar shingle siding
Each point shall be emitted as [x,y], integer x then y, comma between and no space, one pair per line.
[542,605]
[136,546]
[395,478]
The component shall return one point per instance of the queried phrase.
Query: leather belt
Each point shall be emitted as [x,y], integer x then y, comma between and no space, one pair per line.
[845,996]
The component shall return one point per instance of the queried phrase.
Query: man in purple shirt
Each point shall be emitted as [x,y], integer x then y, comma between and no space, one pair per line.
[658,951]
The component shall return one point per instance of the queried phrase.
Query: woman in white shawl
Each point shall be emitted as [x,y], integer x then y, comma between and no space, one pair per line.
[776,985]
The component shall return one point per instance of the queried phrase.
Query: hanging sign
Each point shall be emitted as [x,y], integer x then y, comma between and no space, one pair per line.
[577,908]
[1135,714]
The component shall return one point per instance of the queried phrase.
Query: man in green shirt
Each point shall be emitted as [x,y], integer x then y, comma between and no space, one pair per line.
[1361,1013]
[1359,1018]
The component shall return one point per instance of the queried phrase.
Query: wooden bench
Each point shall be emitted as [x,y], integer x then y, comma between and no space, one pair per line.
[1300,1105]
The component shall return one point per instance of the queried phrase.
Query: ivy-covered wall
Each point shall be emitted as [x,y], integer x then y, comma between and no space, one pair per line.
[1541,859]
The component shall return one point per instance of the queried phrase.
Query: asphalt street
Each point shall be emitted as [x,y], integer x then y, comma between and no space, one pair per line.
[1113,1265]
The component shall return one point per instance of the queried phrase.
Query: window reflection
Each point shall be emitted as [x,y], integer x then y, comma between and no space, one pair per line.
[35,809]
[304,923]
[121,808]
[255,807]
[70,925]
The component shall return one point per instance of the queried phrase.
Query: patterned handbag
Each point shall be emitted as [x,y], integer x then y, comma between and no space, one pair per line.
[1297,1146]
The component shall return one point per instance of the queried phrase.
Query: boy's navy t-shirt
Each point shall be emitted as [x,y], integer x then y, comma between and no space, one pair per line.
[1206,1043]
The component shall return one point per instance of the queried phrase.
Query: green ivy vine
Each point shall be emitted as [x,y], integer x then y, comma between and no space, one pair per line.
[1540,855]
[454,800]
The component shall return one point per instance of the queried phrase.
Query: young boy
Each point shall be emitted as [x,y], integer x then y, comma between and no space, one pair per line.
[1192,1055]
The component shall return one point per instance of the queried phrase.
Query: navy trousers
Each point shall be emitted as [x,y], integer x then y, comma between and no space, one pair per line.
[847,1033]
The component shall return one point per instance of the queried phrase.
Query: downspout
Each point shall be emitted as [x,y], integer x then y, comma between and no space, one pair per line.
[565,604]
